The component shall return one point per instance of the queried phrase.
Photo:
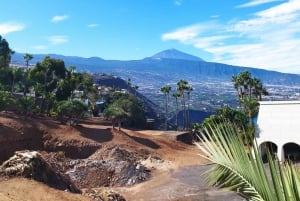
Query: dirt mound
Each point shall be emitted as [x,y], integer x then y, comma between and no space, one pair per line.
[114,166]
[31,164]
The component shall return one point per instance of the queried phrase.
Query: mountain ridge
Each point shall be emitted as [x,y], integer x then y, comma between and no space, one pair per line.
[164,63]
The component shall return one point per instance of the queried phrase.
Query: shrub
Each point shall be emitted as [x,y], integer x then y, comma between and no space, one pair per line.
[71,111]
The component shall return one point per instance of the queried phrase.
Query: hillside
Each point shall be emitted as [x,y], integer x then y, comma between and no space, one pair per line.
[139,165]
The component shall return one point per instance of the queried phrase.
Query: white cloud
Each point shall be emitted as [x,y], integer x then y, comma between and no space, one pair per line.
[59,18]
[92,25]
[270,39]
[288,8]
[256,3]
[40,47]
[57,40]
[6,28]
[178,2]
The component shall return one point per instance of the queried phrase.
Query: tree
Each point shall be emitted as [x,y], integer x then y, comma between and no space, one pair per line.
[135,89]
[46,75]
[5,100]
[16,74]
[26,104]
[242,171]
[176,95]
[27,58]
[125,109]
[70,111]
[182,86]
[5,53]
[250,91]
[128,84]
[166,90]
[116,114]
[189,90]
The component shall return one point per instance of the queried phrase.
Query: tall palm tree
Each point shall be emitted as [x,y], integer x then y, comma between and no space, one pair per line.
[250,91]
[240,168]
[181,88]
[27,58]
[136,87]
[166,90]
[189,89]
[176,95]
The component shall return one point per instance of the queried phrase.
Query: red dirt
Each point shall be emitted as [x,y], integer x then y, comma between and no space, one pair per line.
[90,140]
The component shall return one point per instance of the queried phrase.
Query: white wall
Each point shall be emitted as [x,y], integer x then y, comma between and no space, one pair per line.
[278,122]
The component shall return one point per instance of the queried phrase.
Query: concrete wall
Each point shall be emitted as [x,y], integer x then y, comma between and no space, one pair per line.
[278,122]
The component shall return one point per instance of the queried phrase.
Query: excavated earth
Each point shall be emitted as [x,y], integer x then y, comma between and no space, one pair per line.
[45,160]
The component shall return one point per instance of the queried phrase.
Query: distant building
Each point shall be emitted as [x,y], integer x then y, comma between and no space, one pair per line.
[278,128]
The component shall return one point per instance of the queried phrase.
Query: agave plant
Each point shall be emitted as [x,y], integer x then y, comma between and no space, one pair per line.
[239,167]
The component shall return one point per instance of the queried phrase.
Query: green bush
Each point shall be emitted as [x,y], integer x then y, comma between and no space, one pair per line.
[71,111]
[6,100]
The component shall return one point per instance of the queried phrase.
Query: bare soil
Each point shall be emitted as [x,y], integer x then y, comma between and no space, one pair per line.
[139,165]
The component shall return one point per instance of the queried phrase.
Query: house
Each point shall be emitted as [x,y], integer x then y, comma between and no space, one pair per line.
[278,128]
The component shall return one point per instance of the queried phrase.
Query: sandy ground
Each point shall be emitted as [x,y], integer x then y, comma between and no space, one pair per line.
[177,176]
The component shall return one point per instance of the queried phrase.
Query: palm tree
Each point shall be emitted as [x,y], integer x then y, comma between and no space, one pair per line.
[182,86]
[176,95]
[135,89]
[166,90]
[189,90]
[250,91]
[238,169]
[128,84]
[27,58]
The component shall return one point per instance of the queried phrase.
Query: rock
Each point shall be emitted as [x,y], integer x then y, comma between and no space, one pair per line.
[104,195]
[31,164]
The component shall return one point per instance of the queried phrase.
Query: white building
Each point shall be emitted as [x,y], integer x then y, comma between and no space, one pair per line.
[278,123]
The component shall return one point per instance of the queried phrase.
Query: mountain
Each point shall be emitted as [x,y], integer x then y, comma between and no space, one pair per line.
[166,66]
[175,54]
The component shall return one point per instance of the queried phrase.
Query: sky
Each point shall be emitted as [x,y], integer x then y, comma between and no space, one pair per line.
[252,33]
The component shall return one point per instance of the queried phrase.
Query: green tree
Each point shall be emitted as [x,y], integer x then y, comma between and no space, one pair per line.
[125,109]
[6,100]
[47,74]
[242,171]
[166,90]
[16,75]
[250,91]
[182,86]
[26,104]
[70,111]
[135,89]
[116,114]
[189,89]
[27,57]
[5,53]
[176,95]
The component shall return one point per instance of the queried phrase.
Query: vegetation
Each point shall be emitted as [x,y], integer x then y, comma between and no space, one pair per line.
[70,111]
[240,168]
[250,90]
[126,109]
[166,90]
[53,88]
[182,96]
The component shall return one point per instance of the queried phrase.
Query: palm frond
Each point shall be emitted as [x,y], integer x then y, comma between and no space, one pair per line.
[241,169]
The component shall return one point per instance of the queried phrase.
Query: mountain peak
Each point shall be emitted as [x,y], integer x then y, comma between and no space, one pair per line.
[175,54]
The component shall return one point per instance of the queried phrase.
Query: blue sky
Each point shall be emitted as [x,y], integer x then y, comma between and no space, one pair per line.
[255,33]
